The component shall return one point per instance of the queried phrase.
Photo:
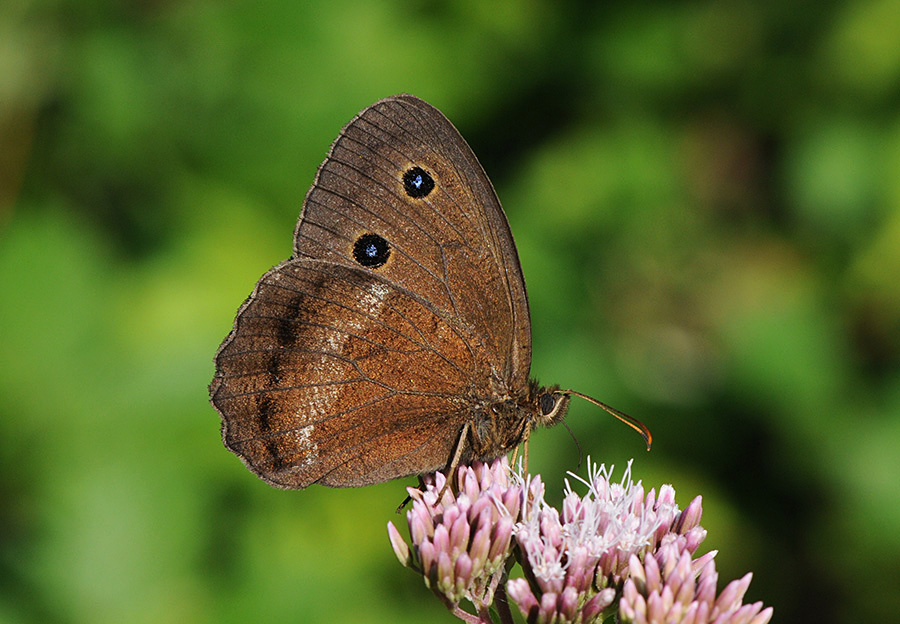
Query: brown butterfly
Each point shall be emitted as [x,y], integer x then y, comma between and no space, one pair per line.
[396,340]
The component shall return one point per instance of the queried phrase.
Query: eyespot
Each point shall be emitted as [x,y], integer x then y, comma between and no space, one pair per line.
[371,250]
[417,182]
[548,404]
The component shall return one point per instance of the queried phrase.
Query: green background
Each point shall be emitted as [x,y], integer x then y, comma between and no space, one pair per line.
[706,201]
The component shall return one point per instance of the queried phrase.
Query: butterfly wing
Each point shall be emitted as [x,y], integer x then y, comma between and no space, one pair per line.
[402,314]
[335,376]
[451,245]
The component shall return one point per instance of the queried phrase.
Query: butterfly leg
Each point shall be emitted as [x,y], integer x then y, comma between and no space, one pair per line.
[408,499]
[526,433]
[454,461]
[405,502]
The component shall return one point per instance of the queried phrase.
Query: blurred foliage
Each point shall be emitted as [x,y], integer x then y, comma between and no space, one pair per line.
[706,199]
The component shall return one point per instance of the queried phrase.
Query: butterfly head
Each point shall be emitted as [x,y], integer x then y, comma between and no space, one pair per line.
[549,405]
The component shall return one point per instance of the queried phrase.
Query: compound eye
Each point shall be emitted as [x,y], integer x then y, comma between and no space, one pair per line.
[548,403]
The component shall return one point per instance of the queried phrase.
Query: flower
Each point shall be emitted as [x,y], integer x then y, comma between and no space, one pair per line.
[461,542]
[671,587]
[613,543]
[575,561]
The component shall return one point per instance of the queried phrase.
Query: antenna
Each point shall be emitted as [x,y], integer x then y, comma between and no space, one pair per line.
[634,423]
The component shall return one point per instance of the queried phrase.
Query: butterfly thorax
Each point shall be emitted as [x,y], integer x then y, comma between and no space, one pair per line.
[499,425]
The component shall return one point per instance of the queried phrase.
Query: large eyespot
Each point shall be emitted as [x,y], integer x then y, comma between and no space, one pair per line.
[371,250]
[417,182]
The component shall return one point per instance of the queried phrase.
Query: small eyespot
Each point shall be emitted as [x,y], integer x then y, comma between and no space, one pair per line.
[371,250]
[548,404]
[417,182]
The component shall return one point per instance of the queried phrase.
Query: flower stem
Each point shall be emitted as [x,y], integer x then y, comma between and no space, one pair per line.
[465,616]
[501,602]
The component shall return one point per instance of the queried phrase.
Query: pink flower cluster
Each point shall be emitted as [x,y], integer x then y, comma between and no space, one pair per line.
[574,562]
[671,587]
[461,542]
[614,548]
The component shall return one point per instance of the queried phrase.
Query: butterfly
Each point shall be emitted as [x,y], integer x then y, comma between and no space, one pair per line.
[396,340]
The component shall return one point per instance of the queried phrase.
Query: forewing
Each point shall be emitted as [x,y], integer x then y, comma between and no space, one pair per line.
[452,246]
